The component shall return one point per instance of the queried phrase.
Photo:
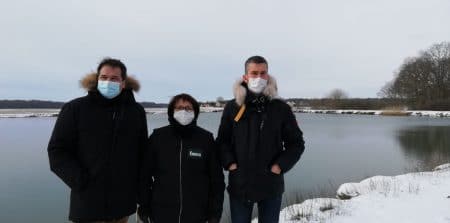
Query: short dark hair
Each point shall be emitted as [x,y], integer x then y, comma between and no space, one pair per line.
[184,97]
[113,63]
[255,59]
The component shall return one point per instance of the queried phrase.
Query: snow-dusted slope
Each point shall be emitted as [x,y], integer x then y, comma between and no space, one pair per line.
[35,113]
[422,197]
[441,114]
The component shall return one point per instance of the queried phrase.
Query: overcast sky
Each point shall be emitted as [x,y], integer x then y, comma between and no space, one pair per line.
[199,47]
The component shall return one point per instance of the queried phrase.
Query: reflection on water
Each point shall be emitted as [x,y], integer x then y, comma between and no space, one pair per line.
[430,145]
[339,149]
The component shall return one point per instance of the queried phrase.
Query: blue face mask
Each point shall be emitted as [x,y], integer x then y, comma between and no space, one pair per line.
[109,89]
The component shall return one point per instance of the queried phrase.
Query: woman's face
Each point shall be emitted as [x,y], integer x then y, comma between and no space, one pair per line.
[183,105]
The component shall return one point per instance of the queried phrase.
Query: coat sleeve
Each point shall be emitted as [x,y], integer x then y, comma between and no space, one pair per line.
[143,153]
[217,183]
[293,142]
[62,150]
[224,138]
[146,173]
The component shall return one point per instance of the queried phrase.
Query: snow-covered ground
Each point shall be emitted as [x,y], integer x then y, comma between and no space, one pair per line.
[422,197]
[164,110]
[156,110]
[378,112]
[211,109]
[34,113]
[30,113]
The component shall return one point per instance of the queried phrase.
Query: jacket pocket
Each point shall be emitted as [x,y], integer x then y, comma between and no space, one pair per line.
[235,178]
[268,172]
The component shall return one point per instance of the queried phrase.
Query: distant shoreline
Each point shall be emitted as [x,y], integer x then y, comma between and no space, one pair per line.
[42,104]
[40,113]
[438,114]
[51,112]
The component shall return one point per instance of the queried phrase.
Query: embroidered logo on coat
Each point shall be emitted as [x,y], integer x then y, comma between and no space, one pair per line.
[195,153]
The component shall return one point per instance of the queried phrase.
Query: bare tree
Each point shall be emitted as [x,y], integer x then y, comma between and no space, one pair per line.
[220,99]
[337,94]
[423,80]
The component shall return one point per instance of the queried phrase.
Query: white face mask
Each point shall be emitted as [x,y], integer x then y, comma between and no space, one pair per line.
[256,85]
[184,117]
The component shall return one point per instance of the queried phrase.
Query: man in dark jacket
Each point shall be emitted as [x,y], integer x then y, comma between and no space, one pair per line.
[96,145]
[259,140]
[182,179]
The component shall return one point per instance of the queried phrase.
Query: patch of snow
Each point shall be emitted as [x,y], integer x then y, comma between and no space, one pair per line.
[155,110]
[442,167]
[28,113]
[312,210]
[34,113]
[410,198]
[211,109]
[441,114]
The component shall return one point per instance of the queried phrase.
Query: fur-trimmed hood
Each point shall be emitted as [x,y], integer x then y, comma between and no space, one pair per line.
[89,82]
[240,92]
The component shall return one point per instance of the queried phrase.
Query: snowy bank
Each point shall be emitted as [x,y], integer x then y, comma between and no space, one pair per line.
[31,113]
[35,113]
[442,114]
[414,197]
[164,110]
[28,113]
[211,109]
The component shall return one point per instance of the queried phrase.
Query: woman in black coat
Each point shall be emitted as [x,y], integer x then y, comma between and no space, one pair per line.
[181,178]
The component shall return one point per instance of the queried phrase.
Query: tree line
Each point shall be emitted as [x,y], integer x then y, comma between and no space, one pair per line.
[423,81]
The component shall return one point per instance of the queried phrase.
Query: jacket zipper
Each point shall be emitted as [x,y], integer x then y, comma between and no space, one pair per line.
[109,160]
[181,185]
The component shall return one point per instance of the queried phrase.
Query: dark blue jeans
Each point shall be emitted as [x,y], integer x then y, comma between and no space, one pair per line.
[268,210]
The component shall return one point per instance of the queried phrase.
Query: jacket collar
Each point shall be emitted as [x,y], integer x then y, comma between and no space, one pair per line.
[89,83]
[126,96]
[240,90]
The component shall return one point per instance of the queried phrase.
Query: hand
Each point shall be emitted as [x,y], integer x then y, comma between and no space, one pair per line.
[144,214]
[276,169]
[232,167]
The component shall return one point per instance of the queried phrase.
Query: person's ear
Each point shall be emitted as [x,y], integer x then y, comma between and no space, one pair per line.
[245,78]
[123,84]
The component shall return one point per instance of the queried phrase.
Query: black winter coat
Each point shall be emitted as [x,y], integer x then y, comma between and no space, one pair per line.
[261,138]
[95,149]
[183,180]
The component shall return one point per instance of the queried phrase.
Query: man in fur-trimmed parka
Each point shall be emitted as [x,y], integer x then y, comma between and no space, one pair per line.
[96,144]
[259,140]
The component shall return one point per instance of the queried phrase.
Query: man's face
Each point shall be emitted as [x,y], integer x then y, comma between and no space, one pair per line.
[109,73]
[255,70]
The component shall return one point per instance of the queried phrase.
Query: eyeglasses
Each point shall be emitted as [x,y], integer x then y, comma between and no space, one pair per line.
[186,108]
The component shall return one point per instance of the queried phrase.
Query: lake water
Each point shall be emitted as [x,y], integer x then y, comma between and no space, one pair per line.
[339,149]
